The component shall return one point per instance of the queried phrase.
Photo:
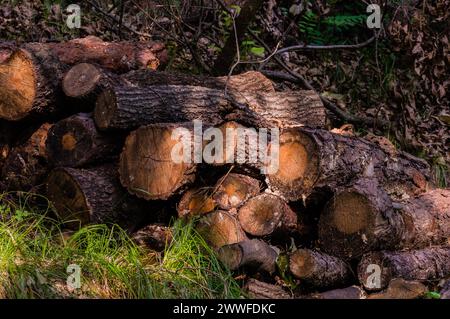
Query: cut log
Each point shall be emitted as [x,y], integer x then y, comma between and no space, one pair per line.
[31,75]
[127,108]
[315,158]
[362,218]
[75,142]
[91,196]
[445,291]
[26,165]
[153,237]
[265,214]
[196,202]
[401,289]
[352,292]
[253,254]
[147,167]
[232,190]
[318,269]
[219,228]
[256,289]
[377,269]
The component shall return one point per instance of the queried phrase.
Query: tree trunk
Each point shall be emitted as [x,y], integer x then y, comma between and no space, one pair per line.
[32,73]
[126,108]
[232,190]
[153,237]
[401,289]
[265,214]
[147,168]
[256,289]
[75,142]
[219,228]
[26,165]
[319,270]
[352,292]
[313,158]
[377,269]
[91,196]
[253,254]
[362,218]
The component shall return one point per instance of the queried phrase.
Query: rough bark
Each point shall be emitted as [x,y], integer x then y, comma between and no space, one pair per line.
[94,195]
[219,228]
[147,168]
[265,214]
[318,269]
[256,289]
[363,217]
[352,292]
[419,265]
[26,165]
[313,158]
[232,190]
[401,289]
[126,108]
[253,254]
[445,291]
[75,142]
[153,237]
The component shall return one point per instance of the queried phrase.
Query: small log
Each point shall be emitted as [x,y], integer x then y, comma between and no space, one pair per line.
[91,196]
[265,214]
[219,228]
[377,269]
[254,254]
[147,168]
[26,165]
[313,159]
[352,292]
[153,237]
[75,142]
[195,202]
[318,269]
[362,218]
[233,190]
[256,289]
[126,108]
[401,289]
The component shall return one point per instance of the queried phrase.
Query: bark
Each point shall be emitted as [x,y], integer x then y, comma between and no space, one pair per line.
[352,292]
[313,159]
[256,289]
[401,289]
[153,237]
[75,142]
[94,195]
[377,269]
[126,108]
[363,217]
[445,291]
[252,254]
[26,165]
[219,228]
[232,190]
[265,214]
[318,269]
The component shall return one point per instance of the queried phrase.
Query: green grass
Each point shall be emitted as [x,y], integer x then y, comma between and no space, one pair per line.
[35,253]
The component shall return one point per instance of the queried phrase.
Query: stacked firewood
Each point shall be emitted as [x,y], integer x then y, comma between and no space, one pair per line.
[91,125]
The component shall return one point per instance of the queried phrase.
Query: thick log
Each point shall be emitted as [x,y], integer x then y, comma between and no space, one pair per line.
[76,142]
[196,202]
[363,217]
[377,269]
[94,195]
[125,108]
[26,165]
[265,214]
[401,289]
[232,190]
[31,75]
[352,292]
[318,269]
[254,254]
[147,167]
[256,289]
[313,158]
[153,237]
[219,228]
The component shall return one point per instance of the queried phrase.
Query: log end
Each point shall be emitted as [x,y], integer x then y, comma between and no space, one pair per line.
[81,80]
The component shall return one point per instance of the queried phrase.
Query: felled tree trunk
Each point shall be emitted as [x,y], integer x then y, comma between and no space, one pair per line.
[313,158]
[75,142]
[352,292]
[377,269]
[318,269]
[232,190]
[401,289]
[362,218]
[265,214]
[256,289]
[31,75]
[253,254]
[125,108]
[153,237]
[94,195]
[196,202]
[26,165]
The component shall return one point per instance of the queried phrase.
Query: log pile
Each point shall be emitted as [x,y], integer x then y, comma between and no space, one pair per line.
[95,128]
